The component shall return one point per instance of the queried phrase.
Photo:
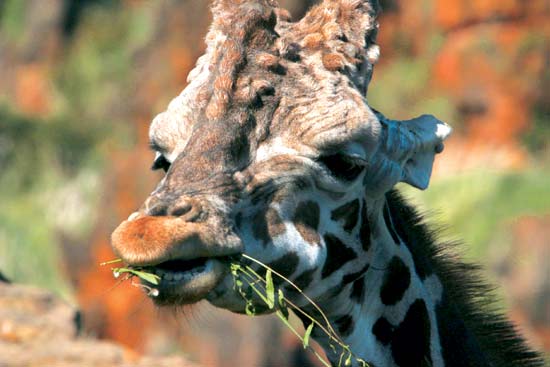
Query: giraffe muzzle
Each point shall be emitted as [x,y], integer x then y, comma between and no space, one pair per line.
[190,258]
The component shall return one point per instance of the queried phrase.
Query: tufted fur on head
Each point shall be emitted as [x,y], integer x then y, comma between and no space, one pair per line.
[238,28]
[341,34]
[344,33]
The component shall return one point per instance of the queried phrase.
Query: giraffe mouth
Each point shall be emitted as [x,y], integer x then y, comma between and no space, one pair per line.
[185,281]
[190,259]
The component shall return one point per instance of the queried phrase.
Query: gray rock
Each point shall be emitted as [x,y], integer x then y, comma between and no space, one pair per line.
[39,329]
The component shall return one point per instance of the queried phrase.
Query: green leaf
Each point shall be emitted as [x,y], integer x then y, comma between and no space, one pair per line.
[281,298]
[234,269]
[305,341]
[269,289]
[110,262]
[148,277]
[282,304]
[249,309]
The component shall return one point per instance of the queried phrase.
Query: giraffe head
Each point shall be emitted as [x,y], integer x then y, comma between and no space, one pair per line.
[273,151]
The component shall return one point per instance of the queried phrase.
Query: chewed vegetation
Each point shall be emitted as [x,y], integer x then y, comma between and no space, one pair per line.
[251,285]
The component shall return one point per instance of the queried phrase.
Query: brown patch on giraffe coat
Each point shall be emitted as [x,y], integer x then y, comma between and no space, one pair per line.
[267,60]
[410,343]
[306,220]
[271,63]
[306,321]
[291,51]
[286,265]
[397,280]
[358,286]
[333,62]
[358,290]
[365,231]
[345,325]
[337,254]
[313,41]
[268,226]
[348,278]
[383,330]
[348,213]
[303,280]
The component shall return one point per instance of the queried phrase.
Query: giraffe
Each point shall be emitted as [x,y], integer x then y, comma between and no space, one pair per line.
[273,151]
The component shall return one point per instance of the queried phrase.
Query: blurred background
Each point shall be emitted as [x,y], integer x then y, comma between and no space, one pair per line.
[81,80]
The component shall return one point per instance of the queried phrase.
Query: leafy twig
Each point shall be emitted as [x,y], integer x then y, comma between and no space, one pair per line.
[268,297]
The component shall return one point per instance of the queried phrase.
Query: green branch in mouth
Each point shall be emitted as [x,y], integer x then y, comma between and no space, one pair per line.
[138,272]
[110,262]
[248,282]
[148,277]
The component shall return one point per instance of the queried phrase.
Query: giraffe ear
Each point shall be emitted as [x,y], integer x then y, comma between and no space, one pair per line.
[344,32]
[406,152]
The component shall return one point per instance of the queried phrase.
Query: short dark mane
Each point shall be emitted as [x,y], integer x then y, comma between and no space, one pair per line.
[468,296]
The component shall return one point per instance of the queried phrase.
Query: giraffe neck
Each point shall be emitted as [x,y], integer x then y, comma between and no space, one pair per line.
[416,304]
[387,315]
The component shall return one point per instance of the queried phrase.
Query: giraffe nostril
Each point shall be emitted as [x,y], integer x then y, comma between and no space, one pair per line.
[182,209]
[157,211]
[189,210]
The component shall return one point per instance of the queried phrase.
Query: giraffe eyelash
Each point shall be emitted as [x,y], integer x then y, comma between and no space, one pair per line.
[160,162]
[343,166]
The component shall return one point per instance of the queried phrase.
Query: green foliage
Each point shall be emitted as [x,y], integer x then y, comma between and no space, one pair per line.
[537,139]
[49,178]
[142,274]
[12,18]
[479,206]
[307,334]
[51,165]
[249,284]
[400,88]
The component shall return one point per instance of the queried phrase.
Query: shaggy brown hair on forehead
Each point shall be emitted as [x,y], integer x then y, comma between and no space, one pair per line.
[238,28]
[343,34]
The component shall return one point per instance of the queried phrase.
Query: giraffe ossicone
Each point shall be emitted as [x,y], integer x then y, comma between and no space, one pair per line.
[273,151]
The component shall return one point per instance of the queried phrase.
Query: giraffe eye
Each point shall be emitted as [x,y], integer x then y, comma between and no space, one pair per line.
[342,166]
[160,163]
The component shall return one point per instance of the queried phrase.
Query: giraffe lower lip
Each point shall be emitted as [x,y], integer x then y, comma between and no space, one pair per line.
[185,281]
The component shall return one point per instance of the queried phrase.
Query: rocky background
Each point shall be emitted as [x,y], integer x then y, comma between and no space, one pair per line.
[79,83]
[37,328]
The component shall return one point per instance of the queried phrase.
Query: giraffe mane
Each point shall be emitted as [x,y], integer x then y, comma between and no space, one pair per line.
[466,291]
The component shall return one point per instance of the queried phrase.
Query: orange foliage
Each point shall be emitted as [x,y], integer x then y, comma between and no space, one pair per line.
[121,313]
[32,89]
